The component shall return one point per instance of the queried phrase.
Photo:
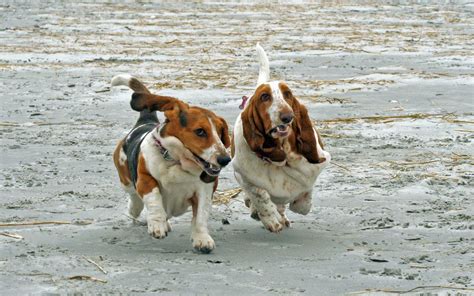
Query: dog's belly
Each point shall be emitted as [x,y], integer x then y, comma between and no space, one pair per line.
[176,197]
[283,183]
[176,185]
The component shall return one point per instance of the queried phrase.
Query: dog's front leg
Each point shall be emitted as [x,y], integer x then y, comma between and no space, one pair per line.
[156,215]
[156,218]
[266,209]
[201,205]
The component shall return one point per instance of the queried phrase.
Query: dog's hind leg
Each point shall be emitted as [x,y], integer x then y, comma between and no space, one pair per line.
[302,205]
[135,203]
[253,210]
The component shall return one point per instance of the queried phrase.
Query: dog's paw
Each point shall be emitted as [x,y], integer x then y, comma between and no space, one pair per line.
[158,229]
[271,223]
[203,242]
[285,221]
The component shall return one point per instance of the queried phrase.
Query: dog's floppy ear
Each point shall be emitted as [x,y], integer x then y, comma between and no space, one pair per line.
[253,128]
[141,101]
[305,139]
[254,133]
[224,133]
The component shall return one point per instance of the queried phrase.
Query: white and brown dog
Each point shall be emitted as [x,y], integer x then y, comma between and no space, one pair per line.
[171,166]
[277,154]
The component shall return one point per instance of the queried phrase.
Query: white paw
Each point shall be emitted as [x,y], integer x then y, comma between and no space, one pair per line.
[285,221]
[271,222]
[157,229]
[203,242]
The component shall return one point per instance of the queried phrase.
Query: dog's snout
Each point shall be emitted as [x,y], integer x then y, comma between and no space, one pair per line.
[286,117]
[223,160]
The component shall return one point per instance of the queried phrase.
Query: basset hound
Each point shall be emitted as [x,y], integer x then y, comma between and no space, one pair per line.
[171,166]
[277,154]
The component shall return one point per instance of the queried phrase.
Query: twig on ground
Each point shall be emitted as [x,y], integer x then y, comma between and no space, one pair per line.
[412,162]
[86,277]
[34,223]
[29,223]
[134,219]
[95,263]
[340,165]
[411,290]
[224,197]
[12,235]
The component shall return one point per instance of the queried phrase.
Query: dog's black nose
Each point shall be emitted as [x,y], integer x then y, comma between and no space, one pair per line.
[286,117]
[223,160]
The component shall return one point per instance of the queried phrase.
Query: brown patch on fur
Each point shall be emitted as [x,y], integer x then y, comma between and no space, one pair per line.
[141,101]
[256,122]
[193,200]
[216,182]
[302,139]
[123,171]
[145,182]
[137,86]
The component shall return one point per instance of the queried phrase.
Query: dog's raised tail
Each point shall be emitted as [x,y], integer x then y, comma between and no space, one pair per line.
[130,81]
[264,69]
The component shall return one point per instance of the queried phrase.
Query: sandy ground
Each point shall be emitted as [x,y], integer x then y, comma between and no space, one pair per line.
[393,212]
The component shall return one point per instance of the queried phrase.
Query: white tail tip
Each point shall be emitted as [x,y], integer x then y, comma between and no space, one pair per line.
[122,79]
[264,69]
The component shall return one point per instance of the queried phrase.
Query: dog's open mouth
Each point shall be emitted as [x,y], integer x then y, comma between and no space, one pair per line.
[280,131]
[209,168]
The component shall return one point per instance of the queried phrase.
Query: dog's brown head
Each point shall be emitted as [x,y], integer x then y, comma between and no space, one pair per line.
[200,131]
[272,115]
[197,136]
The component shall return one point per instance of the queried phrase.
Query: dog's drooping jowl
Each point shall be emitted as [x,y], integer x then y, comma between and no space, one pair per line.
[277,154]
[171,166]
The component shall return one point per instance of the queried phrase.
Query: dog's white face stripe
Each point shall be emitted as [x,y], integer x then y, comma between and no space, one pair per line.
[278,103]
[211,153]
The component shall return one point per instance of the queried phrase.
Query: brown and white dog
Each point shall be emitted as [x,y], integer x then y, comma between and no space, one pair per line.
[171,166]
[277,154]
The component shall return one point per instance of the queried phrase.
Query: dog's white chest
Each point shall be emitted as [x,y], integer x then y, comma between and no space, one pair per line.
[176,185]
[283,183]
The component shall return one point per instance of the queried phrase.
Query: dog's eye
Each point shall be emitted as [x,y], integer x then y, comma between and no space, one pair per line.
[265,97]
[200,133]
[287,94]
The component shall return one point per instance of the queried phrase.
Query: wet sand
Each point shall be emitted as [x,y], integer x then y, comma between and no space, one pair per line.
[393,212]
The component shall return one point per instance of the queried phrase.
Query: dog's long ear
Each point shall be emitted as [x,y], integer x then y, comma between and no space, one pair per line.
[305,139]
[254,133]
[141,101]
[224,132]
[254,129]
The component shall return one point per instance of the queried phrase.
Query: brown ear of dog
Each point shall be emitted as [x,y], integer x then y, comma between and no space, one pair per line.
[141,101]
[304,134]
[254,133]
[224,132]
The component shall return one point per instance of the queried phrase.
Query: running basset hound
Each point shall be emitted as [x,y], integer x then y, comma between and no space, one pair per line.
[277,154]
[171,166]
